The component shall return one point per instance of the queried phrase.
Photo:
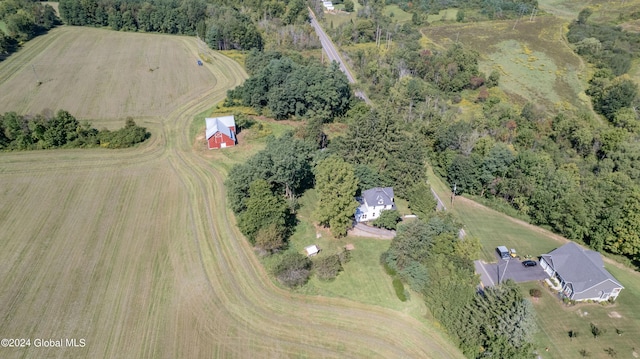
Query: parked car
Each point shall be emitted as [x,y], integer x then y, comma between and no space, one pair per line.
[529,263]
[503,252]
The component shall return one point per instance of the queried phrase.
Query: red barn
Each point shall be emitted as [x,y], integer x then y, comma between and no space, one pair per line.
[221,132]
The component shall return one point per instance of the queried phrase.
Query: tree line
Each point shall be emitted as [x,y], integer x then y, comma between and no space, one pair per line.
[165,16]
[224,25]
[24,20]
[62,130]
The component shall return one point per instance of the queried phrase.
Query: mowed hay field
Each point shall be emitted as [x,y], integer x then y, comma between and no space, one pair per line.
[101,74]
[135,251]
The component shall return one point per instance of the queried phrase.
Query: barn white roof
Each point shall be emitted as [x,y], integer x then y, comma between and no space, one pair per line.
[220,124]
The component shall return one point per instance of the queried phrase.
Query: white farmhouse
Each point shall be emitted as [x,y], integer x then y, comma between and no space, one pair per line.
[374,201]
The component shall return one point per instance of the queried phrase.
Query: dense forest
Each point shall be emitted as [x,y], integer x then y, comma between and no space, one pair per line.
[62,130]
[224,25]
[166,16]
[24,20]
[281,88]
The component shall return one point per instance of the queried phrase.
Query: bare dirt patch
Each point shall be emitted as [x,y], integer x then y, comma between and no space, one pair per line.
[614,315]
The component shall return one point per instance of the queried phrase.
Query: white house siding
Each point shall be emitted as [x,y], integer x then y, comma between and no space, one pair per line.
[547,268]
[602,291]
[366,213]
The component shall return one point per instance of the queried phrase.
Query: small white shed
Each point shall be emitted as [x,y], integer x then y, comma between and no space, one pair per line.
[312,250]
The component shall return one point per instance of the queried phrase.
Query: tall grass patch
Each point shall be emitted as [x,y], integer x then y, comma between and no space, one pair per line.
[533,59]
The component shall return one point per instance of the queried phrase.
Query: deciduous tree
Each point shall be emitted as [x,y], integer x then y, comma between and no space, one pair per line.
[388,219]
[263,209]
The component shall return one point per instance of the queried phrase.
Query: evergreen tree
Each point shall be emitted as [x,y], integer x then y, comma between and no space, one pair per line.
[336,184]
[421,201]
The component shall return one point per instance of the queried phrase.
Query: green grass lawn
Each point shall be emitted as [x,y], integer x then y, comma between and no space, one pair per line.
[556,320]
[397,14]
[3,27]
[443,16]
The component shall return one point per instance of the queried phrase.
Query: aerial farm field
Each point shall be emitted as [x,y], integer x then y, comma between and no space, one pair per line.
[103,74]
[134,251]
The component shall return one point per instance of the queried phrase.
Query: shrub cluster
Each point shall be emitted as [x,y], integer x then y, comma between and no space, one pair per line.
[63,131]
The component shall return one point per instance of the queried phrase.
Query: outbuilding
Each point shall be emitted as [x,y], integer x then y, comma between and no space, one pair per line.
[311,250]
[221,132]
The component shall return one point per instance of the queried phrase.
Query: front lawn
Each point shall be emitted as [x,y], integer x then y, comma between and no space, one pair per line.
[556,320]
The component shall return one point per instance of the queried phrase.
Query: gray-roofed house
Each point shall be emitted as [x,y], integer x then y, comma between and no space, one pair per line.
[374,201]
[581,273]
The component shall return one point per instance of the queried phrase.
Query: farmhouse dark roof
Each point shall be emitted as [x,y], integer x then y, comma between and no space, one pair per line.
[581,267]
[378,196]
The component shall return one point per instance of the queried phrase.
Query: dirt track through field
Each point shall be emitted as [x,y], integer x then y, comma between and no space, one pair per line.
[136,251]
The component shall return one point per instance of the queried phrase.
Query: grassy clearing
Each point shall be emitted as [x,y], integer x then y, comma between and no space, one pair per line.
[534,62]
[446,15]
[396,14]
[340,17]
[3,27]
[555,319]
[239,56]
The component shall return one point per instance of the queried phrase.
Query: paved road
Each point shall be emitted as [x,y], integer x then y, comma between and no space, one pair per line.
[333,54]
